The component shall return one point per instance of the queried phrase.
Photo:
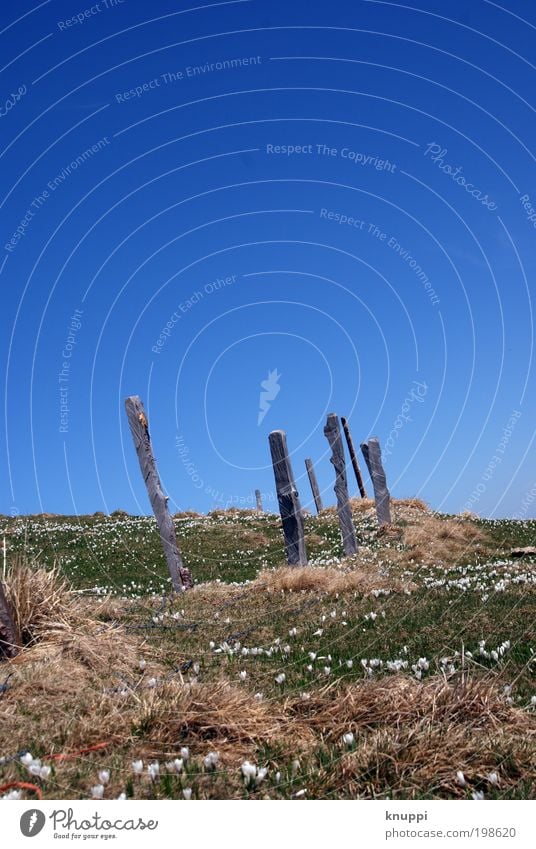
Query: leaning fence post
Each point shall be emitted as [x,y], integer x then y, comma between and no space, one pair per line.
[9,638]
[289,502]
[180,576]
[353,457]
[332,431]
[314,484]
[373,458]
[258,499]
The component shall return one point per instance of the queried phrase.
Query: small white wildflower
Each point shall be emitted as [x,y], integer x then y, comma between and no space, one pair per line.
[460,778]
[493,778]
[121,797]
[44,772]
[142,664]
[478,795]
[27,759]
[185,753]
[187,792]
[259,696]
[151,683]
[137,767]
[154,770]
[97,791]
[211,761]
[104,776]
[348,739]
[243,675]
[279,679]
[349,663]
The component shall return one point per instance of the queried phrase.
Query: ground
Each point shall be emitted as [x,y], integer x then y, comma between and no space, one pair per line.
[405,672]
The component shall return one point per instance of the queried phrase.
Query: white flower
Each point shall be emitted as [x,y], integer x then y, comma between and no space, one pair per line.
[154,770]
[137,767]
[293,632]
[348,738]
[478,795]
[279,679]
[122,797]
[318,633]
[259,696]
[187,792]
[27,759]
[312,655]
[327,670]
[143,664]
[249,771]
[178,765]
[533,700]
[460,778]
[243,675]
[97,791]
[349,663]
[12,795]
[211,760]
[151,683]
[104,776]
[493,778]
[44,772]
[185,753]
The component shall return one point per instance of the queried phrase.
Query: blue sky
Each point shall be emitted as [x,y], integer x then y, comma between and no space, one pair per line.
[193,198]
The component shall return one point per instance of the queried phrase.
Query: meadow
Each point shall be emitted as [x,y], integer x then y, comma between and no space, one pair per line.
[407,671]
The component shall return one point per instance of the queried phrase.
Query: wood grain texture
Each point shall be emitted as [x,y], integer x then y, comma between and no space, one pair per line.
[353,457]
[288,500]
[181,578]
[332,431]
[314,484]
[9,638]
[373,458]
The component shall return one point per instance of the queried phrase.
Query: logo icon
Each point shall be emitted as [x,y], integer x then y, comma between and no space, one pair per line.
[32,822]
[271,389]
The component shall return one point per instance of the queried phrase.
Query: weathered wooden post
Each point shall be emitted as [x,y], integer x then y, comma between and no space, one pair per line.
[373,459]
[353,457]
[289,502]
[9,638]
[314,484]
[258,498]
[181,578]
[332,431]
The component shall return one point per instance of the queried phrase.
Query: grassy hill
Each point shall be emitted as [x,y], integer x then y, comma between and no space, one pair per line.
[383,675]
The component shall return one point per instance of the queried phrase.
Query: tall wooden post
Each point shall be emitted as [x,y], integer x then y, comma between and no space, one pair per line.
[314,484]
[332,431]
[353,457]
[373,458]
[258,499]
[289,502]
[9,637]
[181,578]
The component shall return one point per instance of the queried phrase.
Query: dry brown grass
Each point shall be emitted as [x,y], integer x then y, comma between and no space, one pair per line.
[443,540]
[326,580]
[414,737]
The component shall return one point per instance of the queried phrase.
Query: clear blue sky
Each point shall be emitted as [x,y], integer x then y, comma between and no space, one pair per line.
[339,192]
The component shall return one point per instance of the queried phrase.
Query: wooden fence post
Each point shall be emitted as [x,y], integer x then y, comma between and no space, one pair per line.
[9,638]
[332,431]
[353,457]
[258,498]
[289,502]
[373,458]
[314,484]
[181,578]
